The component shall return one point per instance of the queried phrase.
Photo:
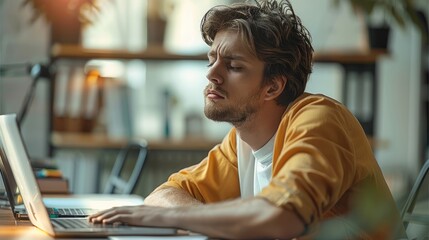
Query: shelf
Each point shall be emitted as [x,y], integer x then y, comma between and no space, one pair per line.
[152,53]
[350,57]
[61,140]
[159,53]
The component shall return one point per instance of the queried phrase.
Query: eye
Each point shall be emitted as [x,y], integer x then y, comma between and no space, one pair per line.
[212,61]
[234,68]
[234,65]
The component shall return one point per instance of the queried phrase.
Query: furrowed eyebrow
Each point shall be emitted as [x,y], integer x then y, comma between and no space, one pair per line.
[235,57]
[229,56]
[211,54]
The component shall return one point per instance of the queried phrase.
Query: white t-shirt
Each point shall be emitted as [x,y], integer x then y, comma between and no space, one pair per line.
[254,167]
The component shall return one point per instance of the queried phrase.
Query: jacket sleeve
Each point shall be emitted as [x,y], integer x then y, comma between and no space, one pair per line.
[215,178]
[314,159]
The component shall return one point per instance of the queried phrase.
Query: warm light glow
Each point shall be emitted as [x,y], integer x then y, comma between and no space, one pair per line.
[92,78]
[107,68]
[24,232]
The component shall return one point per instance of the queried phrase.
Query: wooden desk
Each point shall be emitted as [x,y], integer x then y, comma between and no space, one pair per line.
[22,230]
[15,232]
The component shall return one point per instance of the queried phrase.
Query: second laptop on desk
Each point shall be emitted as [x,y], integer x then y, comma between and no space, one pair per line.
[13,152]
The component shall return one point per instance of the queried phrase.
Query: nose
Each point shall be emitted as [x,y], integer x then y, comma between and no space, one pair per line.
[214,74]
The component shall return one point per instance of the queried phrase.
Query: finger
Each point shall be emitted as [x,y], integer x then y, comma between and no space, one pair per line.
[125,208]
[118,219]
[108,213]
[97,214]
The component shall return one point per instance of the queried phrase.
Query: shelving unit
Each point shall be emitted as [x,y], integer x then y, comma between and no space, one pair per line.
[86,152]
[78,53]
[179,150]
[352,62]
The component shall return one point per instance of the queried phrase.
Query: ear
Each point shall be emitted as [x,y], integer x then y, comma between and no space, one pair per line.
[275,87]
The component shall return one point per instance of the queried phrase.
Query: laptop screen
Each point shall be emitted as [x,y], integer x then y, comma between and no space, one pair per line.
[12,191]
[14,150]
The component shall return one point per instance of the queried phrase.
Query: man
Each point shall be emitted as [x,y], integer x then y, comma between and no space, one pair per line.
[293,164]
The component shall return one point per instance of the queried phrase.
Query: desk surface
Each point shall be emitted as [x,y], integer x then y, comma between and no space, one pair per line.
[11,230]
[24,230]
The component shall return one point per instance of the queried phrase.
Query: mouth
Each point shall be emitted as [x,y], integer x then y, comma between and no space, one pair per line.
[214,95]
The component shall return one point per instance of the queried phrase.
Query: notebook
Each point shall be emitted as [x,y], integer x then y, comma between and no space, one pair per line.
[13,148]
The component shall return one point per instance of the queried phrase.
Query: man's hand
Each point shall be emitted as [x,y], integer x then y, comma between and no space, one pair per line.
[130,215]
[149,213]
[253,218]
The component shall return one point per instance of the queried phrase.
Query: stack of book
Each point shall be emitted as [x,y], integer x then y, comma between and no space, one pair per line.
[51,180]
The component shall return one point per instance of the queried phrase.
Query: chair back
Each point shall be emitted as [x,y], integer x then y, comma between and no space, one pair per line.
[415,213]
[117,182]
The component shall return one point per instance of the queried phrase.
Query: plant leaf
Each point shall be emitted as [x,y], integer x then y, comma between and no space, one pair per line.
[397,17]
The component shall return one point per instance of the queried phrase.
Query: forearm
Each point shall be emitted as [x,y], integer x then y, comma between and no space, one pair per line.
[254,218]
[170,197]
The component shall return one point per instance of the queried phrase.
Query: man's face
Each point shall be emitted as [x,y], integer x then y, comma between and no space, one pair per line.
[234,91]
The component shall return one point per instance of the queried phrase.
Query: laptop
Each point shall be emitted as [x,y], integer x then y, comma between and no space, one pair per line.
[14,150]
[67,206]
[15,199]
[75,206]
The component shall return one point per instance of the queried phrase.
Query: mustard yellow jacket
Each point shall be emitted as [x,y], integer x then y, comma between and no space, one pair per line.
[324,170]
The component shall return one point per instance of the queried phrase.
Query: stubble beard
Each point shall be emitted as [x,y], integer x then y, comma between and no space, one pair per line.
[236,114]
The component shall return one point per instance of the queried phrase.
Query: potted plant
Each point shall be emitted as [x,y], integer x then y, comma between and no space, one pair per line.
[400,12]
[158,12]
[66,17]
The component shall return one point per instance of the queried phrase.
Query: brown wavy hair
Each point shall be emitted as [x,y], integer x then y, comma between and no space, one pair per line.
[271,30]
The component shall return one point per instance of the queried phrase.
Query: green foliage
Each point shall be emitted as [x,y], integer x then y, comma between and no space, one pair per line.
[400,11]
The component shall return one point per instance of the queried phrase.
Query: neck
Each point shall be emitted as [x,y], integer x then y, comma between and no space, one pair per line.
[258,130]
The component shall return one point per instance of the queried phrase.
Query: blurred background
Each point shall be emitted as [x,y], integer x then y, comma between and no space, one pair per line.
[124,70]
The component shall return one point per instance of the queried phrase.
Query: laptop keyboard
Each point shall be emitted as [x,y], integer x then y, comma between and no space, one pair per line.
[77,223]
[70,212]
